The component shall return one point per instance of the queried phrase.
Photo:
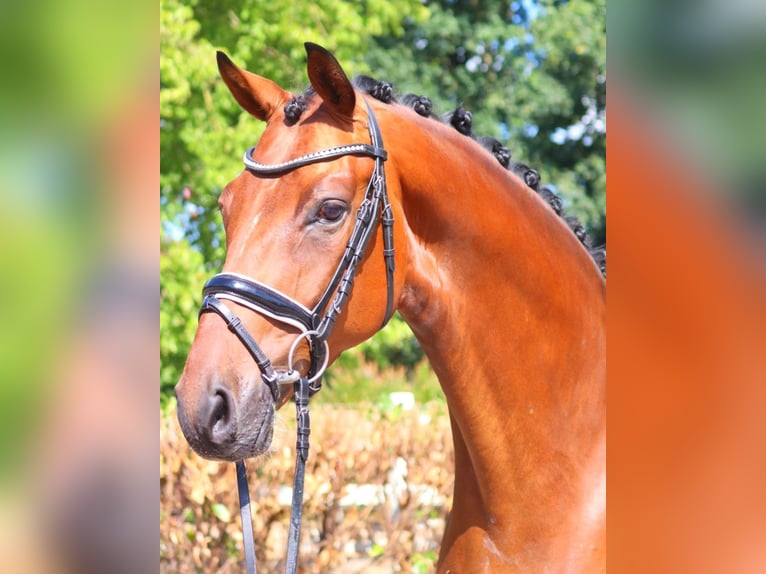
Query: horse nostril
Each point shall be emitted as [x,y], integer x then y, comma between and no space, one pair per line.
[220,409]
[220,421]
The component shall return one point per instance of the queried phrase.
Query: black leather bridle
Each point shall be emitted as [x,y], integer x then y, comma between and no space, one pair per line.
[314,324]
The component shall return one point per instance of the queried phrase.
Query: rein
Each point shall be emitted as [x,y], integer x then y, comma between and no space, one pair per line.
[314,324]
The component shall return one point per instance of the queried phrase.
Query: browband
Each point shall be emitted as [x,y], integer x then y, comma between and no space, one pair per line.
[313,157]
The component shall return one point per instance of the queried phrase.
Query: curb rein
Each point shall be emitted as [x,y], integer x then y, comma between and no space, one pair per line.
[314,326]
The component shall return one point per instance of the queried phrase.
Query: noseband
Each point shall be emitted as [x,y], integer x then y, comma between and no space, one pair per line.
[314,324]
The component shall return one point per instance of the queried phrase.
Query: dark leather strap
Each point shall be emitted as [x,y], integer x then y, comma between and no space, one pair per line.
[296,507]
[261,298]
[301,455]
[387,217]
[246,517]
[314,157]
[210,303]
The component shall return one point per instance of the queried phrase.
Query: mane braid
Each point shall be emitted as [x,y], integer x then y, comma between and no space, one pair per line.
[462,121]
[296,106]
[496,148]
[553,200]
[382,91]
[422,105]
[530,176]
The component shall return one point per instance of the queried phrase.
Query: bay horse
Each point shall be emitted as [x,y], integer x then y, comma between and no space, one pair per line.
[506,301]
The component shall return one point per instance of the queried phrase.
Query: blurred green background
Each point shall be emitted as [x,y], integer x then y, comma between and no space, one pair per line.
[697,69]
[71,72]
[532,73]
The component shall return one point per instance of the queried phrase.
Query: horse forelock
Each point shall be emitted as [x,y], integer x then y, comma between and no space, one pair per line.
[461,120]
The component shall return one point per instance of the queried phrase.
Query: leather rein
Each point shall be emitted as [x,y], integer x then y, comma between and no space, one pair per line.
[314,324]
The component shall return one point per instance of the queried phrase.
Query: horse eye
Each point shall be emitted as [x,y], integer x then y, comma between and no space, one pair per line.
[331,211]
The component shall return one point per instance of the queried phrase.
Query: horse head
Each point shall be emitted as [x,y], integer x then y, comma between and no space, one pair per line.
[294,248]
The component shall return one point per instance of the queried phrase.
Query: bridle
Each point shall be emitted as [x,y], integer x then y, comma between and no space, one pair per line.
[314,324]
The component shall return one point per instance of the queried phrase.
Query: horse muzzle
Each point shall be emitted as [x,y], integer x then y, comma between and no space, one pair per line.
[222,424]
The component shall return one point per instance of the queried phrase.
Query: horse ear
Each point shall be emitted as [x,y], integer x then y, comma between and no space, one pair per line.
[330,81]
[255,94]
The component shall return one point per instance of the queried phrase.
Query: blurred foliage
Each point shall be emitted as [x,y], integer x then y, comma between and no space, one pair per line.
[700,69]
[396,347]
[203,130]
[378,486]
[531,72]
[58,93]
[182,275]
[33,319]
[357,380]
[53,71]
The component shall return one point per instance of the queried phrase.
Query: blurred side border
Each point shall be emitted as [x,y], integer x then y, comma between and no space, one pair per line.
[79,262]
[687,316]
[79,169]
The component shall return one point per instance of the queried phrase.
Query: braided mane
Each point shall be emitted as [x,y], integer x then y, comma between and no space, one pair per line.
[462,121]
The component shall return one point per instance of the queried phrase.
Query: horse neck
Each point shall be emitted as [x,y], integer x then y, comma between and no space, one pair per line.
[509,308]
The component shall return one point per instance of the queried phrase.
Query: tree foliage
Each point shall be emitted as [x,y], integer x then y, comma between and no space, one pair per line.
[203,130]
[531,72]
[182,275]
